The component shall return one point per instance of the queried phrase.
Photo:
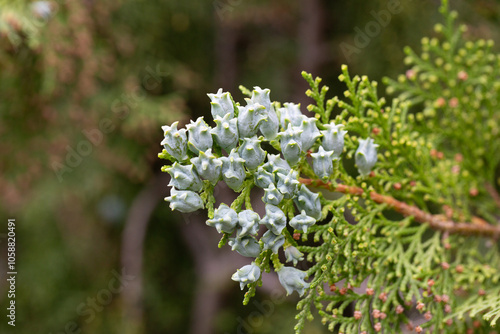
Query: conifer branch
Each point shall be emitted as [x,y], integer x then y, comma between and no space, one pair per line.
[476,227]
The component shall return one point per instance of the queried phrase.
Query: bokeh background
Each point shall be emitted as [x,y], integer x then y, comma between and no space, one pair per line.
[84,88]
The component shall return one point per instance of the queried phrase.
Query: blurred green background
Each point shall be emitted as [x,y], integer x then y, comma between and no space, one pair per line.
[84,88]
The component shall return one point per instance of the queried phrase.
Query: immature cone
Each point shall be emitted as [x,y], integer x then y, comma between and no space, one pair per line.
[208,166]
[366,156]
[310,133]
[290,114]
[309,202]
[175,141]
[200,136]
[226,132]
[261,96]
[292,254]
[287,184]
[233,170]
[272,195]
[184,200]
[272,241]
[292,279]
[263,179]
[225,219]
[323,163]
[291,144]
[249,119]
[248,222]
[246,274]
[251,151]
[222,104]
[274,220]
[302,222]
[276,165]
[333,138]
[245,246]
[270,127]
[184,177]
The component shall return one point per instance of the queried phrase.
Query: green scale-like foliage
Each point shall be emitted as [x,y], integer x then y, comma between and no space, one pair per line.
[433,150]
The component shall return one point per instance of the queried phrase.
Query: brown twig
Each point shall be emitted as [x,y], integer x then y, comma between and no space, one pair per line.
[437,222]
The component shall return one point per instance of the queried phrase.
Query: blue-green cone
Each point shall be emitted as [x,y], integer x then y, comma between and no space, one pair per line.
[252,153]
[287,184]
[333,138]
[292,279]
[309,202]
[249,119]
[200,136]
[225,219]
[246,274]
[290,144]
[270,127]
[310,133]
[175,141]
[208,166]
[290,114]
[276,165]
[292,254]
[272,195]
[302,222]
[233,170]
[226,132]
[263,178]
[184,177]
[184,200]
[366,156]
[248,223]
[245,246]
[323,163]
[222,104]
[274,220]
[272,241]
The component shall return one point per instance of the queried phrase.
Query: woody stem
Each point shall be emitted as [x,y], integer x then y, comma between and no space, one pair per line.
[476,227]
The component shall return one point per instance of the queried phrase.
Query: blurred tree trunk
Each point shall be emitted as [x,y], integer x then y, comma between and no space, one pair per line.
[313,51]
[226,66]
[133,249]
